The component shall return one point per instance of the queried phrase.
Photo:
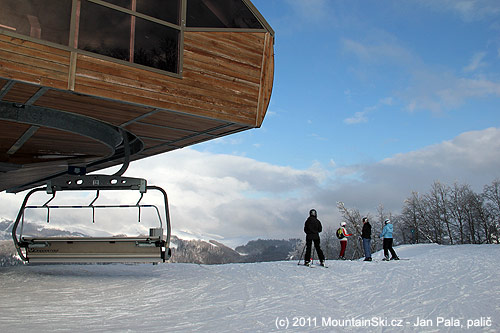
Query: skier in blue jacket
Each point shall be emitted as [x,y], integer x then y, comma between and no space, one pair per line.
[387,236]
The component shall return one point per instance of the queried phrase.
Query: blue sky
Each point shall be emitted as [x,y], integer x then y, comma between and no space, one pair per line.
[359,81]
[371,100]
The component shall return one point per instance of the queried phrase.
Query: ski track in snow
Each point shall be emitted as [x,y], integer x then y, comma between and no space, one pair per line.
[452,282]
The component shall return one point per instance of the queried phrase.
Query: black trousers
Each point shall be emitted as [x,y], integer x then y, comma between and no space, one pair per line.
[309,241]
[388,248]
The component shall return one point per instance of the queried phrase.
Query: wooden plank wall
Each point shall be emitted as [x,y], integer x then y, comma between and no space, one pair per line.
[27,61]
[226,75]
[266,79]
[221,78]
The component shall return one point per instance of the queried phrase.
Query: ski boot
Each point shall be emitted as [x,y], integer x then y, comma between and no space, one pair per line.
[386,258]
[322,263]
[368,259]
[307,263]
[395,258]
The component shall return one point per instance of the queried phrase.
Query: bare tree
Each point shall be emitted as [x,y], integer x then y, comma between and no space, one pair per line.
[492,194]
[483,219]
[415,214]
[409,218]
[329,243]
[444,215]
[298,250]
[440,211]
[458,197]
[353,218]
[382,216]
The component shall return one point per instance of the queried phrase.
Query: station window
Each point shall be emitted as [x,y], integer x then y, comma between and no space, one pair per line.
[104,31]
[122,35]
[156,46]
[166,10]
[144,32]
[42,19]
[220,14]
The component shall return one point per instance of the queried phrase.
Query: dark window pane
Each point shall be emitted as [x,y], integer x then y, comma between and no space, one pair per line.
[220,14]
[104,31]
[156,46]
[43,19]
[166,10]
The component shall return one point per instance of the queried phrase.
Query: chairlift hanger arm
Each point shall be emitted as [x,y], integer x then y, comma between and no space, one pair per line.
[18,219]
[167,213]
[95,182]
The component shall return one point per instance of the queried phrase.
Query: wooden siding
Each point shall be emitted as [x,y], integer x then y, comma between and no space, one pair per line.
[266,79]
[220,78]
[27,61]
[226,76]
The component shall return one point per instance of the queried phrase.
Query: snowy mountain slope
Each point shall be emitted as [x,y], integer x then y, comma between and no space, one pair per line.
[438,286]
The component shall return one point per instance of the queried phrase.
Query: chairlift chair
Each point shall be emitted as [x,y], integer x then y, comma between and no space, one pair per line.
[142,249]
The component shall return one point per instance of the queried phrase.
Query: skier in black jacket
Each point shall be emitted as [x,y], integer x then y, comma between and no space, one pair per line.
[312,228]
[366,235]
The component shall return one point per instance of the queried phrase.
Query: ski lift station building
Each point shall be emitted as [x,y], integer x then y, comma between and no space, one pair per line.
[92,83]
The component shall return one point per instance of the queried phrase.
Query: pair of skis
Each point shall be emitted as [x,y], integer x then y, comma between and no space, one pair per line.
[313,265]
[310,264]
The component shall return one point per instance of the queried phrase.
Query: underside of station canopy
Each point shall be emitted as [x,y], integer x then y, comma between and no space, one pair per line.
[85,84]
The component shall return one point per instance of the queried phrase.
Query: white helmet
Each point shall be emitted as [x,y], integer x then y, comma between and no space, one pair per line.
[387,221]
[342,224]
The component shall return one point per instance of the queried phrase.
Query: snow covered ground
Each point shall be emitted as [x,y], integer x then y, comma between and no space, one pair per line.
[440,288]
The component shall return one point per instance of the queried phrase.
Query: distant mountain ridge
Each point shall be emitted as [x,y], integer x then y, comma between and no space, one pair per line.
[183,251]
[32,229]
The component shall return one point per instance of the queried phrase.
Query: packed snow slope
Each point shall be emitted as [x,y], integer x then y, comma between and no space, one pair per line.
[439,289]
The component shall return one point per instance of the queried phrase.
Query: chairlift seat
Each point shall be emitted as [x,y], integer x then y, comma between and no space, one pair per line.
[95,249]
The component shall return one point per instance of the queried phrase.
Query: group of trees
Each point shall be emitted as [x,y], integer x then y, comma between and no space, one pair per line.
[445,215]
[452,215]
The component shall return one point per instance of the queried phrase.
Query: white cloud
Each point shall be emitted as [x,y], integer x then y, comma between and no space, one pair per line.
[467,10]
[359,117]
[241,198]
[428,88]
[387,101]
[470,158]
[472,149]
[476,62]
[444,91]
[310,10]
[448,94]
[380,50]
[230,195]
